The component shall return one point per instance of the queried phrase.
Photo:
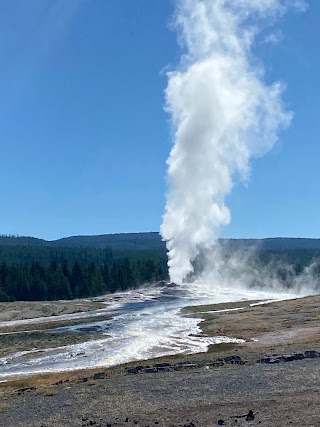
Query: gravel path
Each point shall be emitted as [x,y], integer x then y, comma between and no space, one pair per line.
[283,394]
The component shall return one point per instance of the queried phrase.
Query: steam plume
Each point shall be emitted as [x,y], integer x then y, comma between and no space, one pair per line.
[223,114]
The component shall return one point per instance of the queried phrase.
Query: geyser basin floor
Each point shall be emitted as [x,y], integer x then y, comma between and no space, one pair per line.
[278,323]
[283,393]
[29,310]
[140,324]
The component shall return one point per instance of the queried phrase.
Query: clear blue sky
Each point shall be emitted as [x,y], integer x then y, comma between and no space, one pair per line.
[84,137]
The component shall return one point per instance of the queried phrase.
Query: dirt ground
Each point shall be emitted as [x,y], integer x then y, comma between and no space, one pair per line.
[200,395]
[278,395]
[21,310]
[296,320]
[44,333]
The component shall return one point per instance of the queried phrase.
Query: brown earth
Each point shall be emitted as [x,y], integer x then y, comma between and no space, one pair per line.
[42,334]
[296,320]
[21,310]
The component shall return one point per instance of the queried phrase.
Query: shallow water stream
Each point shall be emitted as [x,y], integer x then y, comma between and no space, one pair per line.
[143,324]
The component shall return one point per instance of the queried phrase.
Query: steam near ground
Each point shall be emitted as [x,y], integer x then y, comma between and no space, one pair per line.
[249,270]
[144,324]
[223,114]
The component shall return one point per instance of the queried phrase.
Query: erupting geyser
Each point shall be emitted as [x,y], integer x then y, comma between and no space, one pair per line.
[223,114]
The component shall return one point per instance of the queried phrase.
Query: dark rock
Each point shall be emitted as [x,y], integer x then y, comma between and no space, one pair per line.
[150,370]
[221,423]
[164,369]
[161,365]
[311,354]
[250,416]
[99,376]
[233,359]
[126,420]
[298,356]
[134,370]
[25,389]
[172,285]
[273,361]
[161,283]
[287,358]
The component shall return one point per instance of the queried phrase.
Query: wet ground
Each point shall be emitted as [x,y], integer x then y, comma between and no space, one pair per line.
[116,329]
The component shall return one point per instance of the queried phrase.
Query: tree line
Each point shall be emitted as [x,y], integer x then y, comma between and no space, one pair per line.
[77,279]
[26,254]
[46,273]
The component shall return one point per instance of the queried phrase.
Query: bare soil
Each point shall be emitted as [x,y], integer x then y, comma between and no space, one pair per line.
[21,310]
[288,320]
[46,333]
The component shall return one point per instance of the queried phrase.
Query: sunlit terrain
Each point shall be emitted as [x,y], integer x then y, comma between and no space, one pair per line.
[134,325]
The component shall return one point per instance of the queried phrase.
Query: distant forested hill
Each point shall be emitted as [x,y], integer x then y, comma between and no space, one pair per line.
[21,241]
[152,241]
[47,273]
[122,241]
[271,244]
[83,266]
[77,267]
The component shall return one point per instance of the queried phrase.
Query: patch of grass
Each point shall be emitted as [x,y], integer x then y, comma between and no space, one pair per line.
[47,390]
[49,384]
[222,347]
[14,384]
[4,405]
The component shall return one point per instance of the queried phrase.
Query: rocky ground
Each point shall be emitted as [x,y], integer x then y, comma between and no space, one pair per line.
[271,381]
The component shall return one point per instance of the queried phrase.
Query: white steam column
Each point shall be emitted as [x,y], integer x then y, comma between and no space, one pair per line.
[223,114]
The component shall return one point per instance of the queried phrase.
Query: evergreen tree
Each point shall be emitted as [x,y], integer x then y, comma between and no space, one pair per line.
[29,275]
